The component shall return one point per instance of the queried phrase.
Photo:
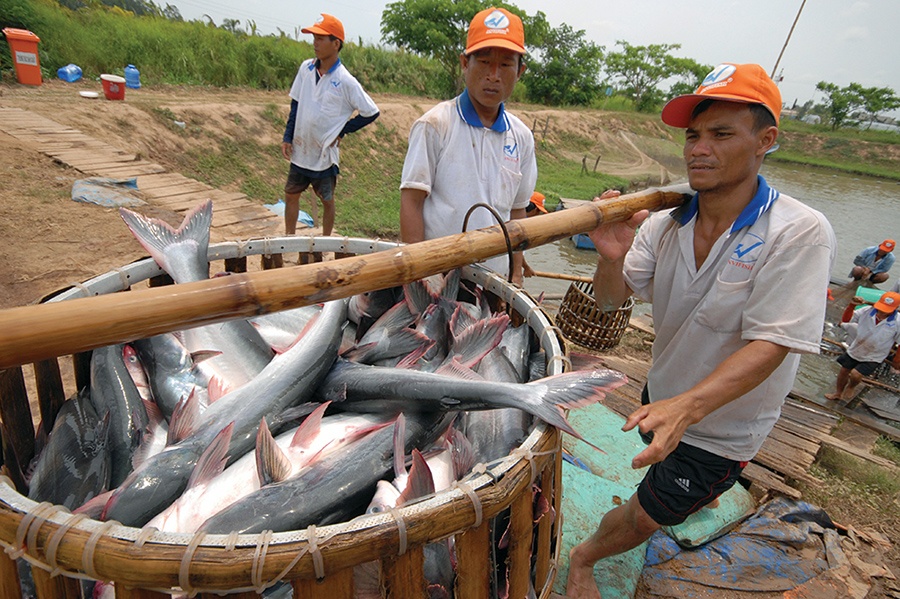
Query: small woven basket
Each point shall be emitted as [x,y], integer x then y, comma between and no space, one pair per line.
[582,322]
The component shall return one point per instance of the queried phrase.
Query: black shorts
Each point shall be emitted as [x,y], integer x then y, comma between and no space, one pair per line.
[864,368]
[688,479]
[298,182]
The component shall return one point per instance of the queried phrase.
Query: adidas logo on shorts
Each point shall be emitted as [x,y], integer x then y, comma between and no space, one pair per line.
[684,483]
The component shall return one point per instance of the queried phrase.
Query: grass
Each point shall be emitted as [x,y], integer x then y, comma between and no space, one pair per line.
[848,165]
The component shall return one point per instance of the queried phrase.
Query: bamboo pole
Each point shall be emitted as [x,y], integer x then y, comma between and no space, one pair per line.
[563,276]
[32,333]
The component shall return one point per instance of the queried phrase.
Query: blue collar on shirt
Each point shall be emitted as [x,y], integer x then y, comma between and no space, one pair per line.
[891,318]
[314,64]
[466,111]
[759,205]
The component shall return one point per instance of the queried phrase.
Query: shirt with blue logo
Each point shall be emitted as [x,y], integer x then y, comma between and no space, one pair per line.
[765,278]
[459,162]
[324,105]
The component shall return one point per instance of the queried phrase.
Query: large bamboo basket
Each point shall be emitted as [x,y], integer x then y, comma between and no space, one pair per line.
[318,562]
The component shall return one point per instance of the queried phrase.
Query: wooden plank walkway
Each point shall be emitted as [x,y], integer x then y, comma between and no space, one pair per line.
[235,217]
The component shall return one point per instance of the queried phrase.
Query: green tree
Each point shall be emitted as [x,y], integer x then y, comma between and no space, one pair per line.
[840,102]
[641,69]
[878,99]
[437,29]
[692,74]
[567,71]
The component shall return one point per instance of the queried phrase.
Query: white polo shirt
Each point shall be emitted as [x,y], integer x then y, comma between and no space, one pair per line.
[873,340]
[765,278]
[458,163]
[323,109]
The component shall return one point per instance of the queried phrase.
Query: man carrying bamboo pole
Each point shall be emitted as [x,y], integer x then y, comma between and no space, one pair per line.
[738,280]
[470,150]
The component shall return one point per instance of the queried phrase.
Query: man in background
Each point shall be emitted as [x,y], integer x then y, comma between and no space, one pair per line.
[873,263]
[324,97]
[470,150]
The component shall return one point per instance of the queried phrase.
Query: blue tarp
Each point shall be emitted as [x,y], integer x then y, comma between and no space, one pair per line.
[303,217]
[783,545]
[104,191]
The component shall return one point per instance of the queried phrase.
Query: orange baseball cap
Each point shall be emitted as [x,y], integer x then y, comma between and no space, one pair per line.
[326,25]
[537,198]
[889,302]
[496,28]
[746,83]
[887,245]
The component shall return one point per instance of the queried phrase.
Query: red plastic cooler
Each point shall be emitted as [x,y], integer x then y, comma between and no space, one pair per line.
[24,47]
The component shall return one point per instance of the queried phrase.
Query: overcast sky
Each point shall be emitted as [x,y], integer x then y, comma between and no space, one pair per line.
[839,41]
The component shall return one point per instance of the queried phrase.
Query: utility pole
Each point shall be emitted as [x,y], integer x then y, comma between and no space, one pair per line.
[775,68]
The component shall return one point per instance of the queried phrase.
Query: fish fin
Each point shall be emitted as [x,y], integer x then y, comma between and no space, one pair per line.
[450,290]
[410,360]
[420,481]
[185,418]
[461,452]
[272,465]
[155,417]
[571,390]
[217,388]
[93,507]
[310,427]
[397,317]
[460,320]
[454,368]
[294,413]
[418,296]
[477,340]
[156,235]
[204,354]
[212,461]
[400,343]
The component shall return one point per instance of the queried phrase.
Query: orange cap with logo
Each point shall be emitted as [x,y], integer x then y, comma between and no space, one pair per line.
[537,198]
[887,245]
[496,28]
[326,25]
[747,83]
[889,302]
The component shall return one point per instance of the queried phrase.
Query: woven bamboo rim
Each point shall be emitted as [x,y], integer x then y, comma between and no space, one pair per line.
[52,538]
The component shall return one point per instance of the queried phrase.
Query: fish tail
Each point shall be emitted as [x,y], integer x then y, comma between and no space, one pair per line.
[156,235]
[572,390]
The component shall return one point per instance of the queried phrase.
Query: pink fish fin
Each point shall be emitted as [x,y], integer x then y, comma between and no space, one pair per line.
[453,367]
[399,446]
[450,286]
[477,340]
[420,481]
[93,507]
[204,354]
[310,428]
[272,465]
[185,418]
[156,235]
[561,392]
[460,320]
[398,316]
[462,453]
[212,461]
[410,360]
[217,388]
[541,504]
[155,420]
[418,296]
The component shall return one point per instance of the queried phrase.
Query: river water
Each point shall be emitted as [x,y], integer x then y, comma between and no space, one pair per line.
[863,211]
